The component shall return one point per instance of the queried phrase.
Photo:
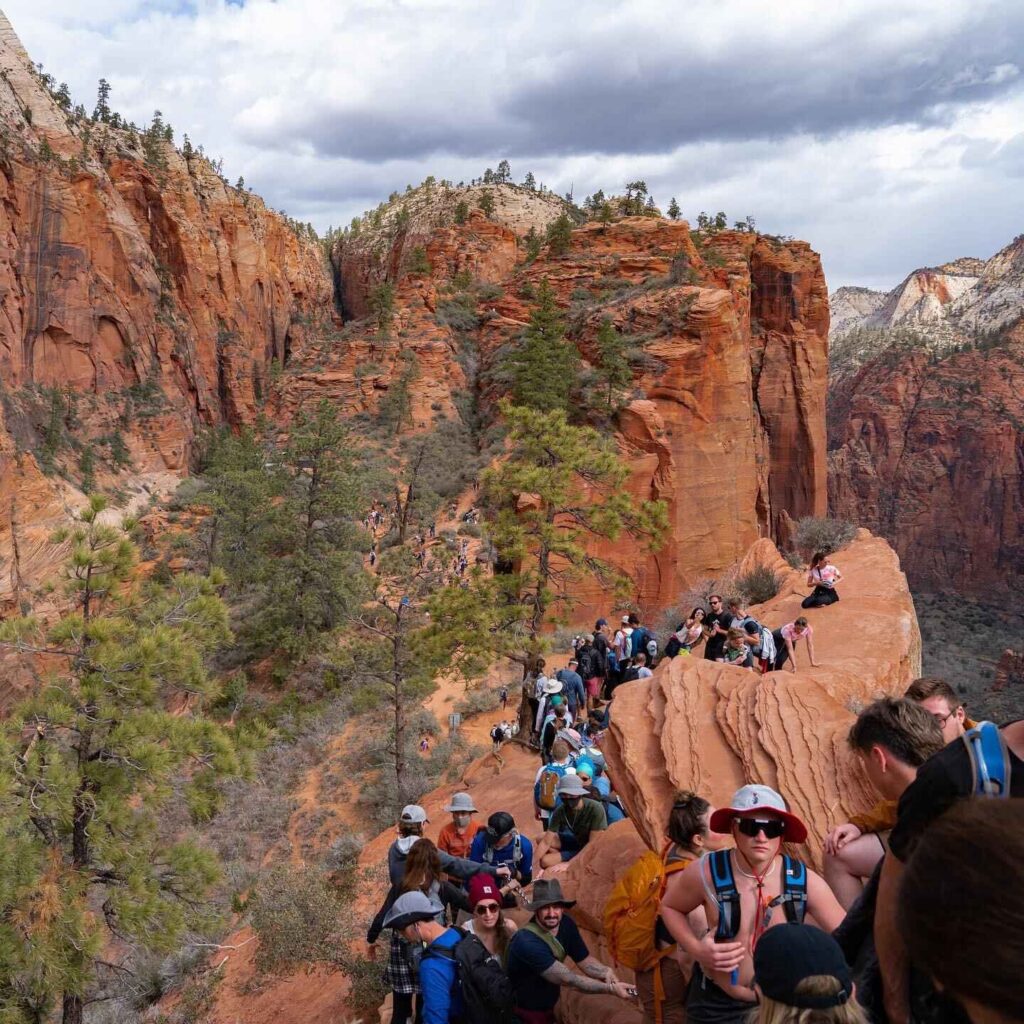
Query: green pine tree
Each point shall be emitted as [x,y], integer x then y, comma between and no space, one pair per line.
[612,368]
[99,751]
[673,209]
[487,206]
[544,366]
[559,235]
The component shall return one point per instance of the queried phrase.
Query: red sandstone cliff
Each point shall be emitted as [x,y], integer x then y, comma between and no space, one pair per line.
[153,298]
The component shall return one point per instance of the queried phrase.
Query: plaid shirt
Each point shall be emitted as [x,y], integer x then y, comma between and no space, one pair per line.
[400,974]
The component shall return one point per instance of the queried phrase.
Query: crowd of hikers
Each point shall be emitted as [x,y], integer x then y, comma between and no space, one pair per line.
[916,918]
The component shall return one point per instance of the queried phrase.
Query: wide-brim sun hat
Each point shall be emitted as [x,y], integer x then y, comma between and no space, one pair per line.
[461,802]
[571,785]
[410,908]
[756,797]
[547,892]
[553,686]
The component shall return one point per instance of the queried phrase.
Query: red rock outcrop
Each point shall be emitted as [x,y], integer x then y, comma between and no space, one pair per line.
[711,728]
[149,293]
[930,454]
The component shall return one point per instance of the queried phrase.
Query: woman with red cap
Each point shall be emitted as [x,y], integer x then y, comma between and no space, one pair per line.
[489,924]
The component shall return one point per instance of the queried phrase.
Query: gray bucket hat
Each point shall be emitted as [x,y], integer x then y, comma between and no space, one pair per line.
[547,892]
[411,907]
[461,802]
[571,785]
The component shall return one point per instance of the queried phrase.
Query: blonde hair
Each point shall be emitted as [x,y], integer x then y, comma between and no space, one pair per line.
[771,1012]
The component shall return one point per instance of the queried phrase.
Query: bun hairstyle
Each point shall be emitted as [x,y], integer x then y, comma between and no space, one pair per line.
[685,820]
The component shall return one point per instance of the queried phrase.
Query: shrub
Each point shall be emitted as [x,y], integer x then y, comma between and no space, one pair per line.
[477,700]
[295,914]
[815,533]
[418,262]
[344,853]
[795,560]
[469,530]
[758,585]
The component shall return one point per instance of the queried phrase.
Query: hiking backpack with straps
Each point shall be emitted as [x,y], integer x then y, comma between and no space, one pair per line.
[546,789]
[990,760]
[793,896]
[487,995]
[517,853]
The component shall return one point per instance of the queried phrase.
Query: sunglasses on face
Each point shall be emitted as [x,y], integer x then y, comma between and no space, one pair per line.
[772,828]
[485,908]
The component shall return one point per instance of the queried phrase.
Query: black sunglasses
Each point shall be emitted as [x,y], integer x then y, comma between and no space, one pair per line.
[772,828]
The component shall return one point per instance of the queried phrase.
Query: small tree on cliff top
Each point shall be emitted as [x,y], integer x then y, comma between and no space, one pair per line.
[560,487]
[84,862]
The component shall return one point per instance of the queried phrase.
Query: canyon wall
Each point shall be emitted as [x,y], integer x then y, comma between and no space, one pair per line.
[926,423]
[141,298]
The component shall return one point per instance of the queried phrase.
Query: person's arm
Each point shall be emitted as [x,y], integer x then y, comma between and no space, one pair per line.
[892,953]
[684,894]
[559,974]
[377,925]
[822,904]
[436,985]
[810,648]
[593,968]
[526,864]
[460,867]
[792,652]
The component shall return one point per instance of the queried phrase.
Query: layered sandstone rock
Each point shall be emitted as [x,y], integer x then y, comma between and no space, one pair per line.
[712,728]
[154,298]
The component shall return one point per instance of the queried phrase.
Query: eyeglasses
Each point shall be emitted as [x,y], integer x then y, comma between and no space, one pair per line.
[943,719]
[486,908]
[772,828]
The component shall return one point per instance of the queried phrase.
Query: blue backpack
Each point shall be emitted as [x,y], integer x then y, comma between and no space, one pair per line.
[990,760]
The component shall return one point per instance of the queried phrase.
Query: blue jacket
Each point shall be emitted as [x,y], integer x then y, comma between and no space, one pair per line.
[523,870]
[572,687]
[442,996]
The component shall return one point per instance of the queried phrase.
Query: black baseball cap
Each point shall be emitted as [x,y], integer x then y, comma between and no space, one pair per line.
[788,953]
[499,824]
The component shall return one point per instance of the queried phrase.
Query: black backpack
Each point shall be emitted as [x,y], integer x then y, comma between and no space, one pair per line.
[487,995]
[587,663]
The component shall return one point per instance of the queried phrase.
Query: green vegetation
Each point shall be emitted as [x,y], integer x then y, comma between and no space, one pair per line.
[461,211]
[559,235]
[382,306]
[815,533]
[758,585]
[612,368]
[487,205]
[673,209]
[543,366]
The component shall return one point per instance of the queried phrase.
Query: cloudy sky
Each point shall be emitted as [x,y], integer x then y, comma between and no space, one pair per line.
[888,133]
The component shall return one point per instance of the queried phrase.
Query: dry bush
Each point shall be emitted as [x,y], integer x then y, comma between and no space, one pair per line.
[814,533]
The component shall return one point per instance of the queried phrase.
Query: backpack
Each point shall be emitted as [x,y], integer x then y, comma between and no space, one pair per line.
[631,917]
[487,994]
[793,897]
[638,640]
[586,663]
[498,734]
[546,789]
[990,760]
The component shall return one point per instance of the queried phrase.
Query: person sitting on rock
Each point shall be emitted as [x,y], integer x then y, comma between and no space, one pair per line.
[823,576]
[801,977]
[787,638]
[975,851]
[737,651]
[571,824]
[939,699]
[892,739]
[501,844]
[537,955]
[599,788]
[757,889]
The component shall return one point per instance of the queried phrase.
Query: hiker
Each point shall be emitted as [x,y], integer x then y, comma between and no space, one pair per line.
[537,953]
[801,977]
[488,923]
[755,888]
[503,697]
[630,671]
[500,844]
[637,935]
[716,626]
[892,739]
[533,692]
[557,721]
[957,771]
[571,823]
[599,788]
[939,698]
[622,643]
[762,645]
[823,576]
[551,688]
[688,634]
[786,639]
[545,785]
[605,659]
[421,874]
[737,651]
[413,920]
[638,637]
[572,688]
[640,664]
[498,734]
[968,936]
[593,667]
[456,837]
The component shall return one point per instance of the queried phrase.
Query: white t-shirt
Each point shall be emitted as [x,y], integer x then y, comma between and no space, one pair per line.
[643,672]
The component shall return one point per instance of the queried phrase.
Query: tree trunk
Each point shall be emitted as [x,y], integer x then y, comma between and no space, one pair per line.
[396,682]
[72,1009]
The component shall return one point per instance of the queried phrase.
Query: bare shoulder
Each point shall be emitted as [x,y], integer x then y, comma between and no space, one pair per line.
[684,890]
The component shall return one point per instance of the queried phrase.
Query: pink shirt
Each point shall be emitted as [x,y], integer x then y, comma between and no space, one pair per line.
[790,633]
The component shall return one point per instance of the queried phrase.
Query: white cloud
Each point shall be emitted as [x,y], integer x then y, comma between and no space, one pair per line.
[886,132]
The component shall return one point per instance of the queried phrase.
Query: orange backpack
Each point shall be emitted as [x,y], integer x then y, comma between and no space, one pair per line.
[631,916]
